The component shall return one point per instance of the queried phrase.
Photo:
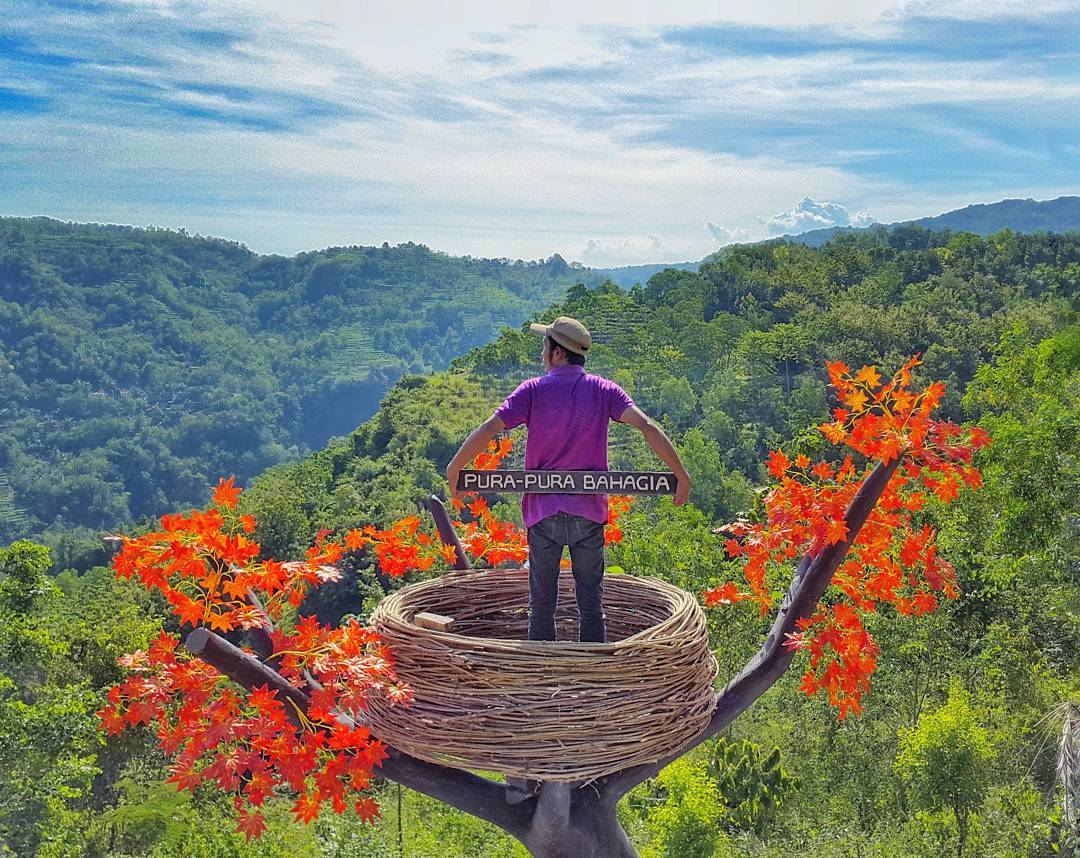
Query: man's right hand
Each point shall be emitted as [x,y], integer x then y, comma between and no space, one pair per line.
[470,447]
[452,478]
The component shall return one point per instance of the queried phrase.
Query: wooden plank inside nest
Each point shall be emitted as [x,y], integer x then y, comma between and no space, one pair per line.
[434,622]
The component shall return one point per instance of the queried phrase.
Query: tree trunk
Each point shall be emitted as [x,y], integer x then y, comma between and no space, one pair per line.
[961,831]
[576,822]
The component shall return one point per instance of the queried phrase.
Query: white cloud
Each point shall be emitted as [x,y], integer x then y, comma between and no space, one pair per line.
[653,248]
[516,187]
[599,253]
[512,129]
[725,235]
[984,10]
[810,214]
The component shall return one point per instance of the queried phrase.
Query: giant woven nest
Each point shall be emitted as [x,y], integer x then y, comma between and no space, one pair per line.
[487,698]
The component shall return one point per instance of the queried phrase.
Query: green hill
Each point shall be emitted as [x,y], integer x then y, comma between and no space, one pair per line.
[730,359]
[138,364]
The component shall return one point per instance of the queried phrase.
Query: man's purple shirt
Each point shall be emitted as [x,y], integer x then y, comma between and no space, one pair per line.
[567,413]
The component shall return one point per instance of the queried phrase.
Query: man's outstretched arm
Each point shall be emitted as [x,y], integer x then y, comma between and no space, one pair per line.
[634,416]
[471,448]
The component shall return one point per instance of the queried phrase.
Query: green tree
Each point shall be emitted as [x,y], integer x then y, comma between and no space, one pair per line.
[946,761]
[49,736]
[685,813]
[714,489]
[58,651]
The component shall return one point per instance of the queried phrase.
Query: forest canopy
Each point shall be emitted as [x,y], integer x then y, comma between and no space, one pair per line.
[135,364]
[730,359]
[952,751]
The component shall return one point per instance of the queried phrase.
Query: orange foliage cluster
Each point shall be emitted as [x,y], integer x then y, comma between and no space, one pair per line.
[893,561]
[250,744]
[402,547]
[494,455]
[488,539]
[205,565]
[618,506]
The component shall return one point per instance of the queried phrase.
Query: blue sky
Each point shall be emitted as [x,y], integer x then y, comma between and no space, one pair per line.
[614,134]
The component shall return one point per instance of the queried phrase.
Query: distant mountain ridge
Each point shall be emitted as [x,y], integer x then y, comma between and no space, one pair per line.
[628,275]
[1061,214]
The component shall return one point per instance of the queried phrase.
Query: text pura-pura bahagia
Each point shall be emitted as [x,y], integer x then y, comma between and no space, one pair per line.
[569,482]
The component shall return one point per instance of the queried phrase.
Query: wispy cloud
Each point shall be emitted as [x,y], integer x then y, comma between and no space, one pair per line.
[726,235]
[608,133]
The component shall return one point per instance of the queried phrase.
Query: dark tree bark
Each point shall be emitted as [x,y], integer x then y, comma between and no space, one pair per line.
[579,820]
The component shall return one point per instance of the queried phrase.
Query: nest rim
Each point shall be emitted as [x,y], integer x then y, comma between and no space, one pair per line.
[595,648]
[550,710]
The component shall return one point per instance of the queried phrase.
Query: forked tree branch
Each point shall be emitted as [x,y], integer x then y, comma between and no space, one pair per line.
[544,822]
[447,533]
[773,659]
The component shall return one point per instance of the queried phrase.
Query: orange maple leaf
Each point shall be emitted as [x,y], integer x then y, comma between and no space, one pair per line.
[823,470]
[778,463]
[190,611]
[869,376]
[226,493]
[221,622]
[835,432]
[185,777]
[367,809]
[836,531]
[251,824]
[306,807]
[725,594]
[355,540]
[857,400]
[979,438]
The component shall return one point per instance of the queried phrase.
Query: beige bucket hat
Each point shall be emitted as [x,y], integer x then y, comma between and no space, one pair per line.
[568,333]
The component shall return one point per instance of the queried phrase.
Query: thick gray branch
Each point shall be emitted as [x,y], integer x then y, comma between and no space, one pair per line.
[447,533]
[465,791]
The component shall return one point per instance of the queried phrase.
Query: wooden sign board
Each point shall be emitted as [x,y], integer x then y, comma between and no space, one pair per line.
[569,482]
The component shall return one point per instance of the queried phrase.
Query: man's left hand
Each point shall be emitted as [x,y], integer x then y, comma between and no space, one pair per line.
[682,491]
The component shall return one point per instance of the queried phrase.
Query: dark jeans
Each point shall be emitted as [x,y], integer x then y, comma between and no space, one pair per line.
[546,540]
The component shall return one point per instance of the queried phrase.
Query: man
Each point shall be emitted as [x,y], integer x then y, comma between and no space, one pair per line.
[567,412]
